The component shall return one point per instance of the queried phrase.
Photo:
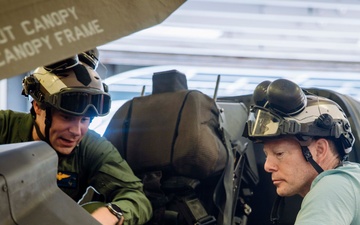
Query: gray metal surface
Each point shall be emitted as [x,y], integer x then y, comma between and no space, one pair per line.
[29,194]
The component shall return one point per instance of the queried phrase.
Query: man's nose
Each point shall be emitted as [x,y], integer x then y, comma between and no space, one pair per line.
[75,128]
[269,165]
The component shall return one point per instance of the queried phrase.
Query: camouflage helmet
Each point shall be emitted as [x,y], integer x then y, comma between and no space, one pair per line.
[90,57]
[70,86]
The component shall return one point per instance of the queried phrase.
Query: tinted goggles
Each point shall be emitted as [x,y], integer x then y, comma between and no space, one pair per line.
[82,102]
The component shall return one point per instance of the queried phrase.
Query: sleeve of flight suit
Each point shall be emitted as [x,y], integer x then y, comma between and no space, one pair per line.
[111,175]
[15,127]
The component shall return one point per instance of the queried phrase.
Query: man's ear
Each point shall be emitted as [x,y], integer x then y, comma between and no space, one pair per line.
[37,108]
[322,148]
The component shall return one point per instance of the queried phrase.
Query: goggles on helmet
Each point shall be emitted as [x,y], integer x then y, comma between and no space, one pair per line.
[81,101]
[264,123]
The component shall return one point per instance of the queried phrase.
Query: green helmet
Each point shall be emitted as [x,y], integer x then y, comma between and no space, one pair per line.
[70,86]
[282,109]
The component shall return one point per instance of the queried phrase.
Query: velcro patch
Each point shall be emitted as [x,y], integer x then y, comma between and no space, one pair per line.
[67,179]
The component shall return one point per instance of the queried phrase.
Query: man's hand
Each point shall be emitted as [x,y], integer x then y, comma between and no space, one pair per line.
[105,217]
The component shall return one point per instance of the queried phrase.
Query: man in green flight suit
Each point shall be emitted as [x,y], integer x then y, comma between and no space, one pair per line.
[67,95]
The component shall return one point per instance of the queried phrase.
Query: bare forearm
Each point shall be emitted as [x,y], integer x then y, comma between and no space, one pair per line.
[105,217]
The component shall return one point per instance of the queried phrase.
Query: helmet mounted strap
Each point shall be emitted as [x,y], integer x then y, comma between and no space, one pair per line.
[47,125]
[308,157]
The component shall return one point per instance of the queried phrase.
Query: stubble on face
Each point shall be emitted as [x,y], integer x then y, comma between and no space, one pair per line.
[290,172]
[67,131]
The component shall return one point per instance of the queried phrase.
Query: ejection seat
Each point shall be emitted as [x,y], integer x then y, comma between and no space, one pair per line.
[187,149]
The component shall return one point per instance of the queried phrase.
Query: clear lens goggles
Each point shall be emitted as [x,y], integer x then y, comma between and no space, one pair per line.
[263,123]
[88,102]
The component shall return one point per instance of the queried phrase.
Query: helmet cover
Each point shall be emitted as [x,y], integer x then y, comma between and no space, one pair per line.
[75,89]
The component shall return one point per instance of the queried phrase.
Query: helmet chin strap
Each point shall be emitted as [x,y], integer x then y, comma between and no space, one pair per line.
[279,201]
[307,154]
[47,125]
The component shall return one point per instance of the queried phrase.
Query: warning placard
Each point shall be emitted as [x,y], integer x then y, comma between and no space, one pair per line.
[39,32]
